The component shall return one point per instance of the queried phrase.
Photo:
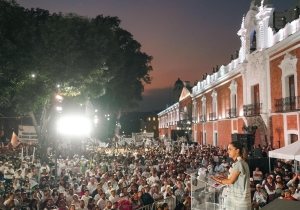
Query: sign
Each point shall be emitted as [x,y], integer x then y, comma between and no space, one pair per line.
[27,134]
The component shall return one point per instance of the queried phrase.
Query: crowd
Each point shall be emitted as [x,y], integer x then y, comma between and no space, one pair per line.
[152,177]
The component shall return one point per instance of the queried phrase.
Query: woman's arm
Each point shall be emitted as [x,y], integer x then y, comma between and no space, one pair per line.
[231,180]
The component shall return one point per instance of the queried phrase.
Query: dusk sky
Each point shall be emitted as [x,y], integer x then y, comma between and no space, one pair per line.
[185,37]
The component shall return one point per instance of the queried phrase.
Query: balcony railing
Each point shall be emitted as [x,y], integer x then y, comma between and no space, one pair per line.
[252,109]
[202,118]
[186,122]
[231,113]
[287,104]
[212,116]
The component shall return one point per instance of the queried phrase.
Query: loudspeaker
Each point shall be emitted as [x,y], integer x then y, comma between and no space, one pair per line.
[245,139]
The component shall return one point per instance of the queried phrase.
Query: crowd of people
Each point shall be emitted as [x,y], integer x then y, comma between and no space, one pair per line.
[152,177]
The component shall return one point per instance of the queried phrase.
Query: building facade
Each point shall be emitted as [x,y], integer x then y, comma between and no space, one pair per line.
[257,92]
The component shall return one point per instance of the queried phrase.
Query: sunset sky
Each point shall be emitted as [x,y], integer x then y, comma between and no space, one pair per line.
[185,37]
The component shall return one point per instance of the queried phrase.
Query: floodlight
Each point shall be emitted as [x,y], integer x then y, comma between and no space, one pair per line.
[74,126]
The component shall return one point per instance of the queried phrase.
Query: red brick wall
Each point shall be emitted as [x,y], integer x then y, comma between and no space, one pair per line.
[291,122]
[234,124]
[240,125]
[224,133]
[277,130]
[200,132]
[223,100]
[215,126]
[276,73]
[209,133]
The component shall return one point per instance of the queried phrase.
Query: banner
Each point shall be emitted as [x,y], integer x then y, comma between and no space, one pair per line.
[14,140]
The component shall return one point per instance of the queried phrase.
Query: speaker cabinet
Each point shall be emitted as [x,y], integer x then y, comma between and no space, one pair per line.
[245,139]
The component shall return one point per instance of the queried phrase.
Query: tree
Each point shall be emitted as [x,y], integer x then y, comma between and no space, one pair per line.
[87,57]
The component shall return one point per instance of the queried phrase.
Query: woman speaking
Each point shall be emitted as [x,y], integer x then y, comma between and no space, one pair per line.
[239,196]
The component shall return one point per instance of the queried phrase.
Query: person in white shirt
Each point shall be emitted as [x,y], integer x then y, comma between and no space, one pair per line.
[92,185]
[259,198]
[8,174]
[102,201]
[86,197]
[219,168]
[113,197]
[152,178]
[257,175]
[69,197]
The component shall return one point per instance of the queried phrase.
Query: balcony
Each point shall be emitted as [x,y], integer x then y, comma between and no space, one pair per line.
[194,120]
[184,123]
[252,109]
[212,116]
[287,104]
[231,113]
[202,118]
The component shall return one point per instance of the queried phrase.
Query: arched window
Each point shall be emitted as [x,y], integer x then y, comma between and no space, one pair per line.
[253,41]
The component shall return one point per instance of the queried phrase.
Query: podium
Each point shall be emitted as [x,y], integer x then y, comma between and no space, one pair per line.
[206,194]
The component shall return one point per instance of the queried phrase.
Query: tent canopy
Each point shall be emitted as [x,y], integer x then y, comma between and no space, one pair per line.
[291,152]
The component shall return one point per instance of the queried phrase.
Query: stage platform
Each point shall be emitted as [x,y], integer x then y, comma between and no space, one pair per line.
[280,204]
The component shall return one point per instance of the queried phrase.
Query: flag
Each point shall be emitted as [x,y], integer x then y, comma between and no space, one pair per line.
[14,140]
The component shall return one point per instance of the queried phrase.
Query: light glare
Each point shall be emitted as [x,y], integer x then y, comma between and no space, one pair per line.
[74,126]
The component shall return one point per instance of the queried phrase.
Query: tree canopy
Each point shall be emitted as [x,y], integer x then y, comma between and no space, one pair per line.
[86,57]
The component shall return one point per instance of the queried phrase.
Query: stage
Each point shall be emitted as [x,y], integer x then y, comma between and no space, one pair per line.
[280,204]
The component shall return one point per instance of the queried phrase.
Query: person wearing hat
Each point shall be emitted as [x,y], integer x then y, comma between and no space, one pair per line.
[113,196]
[259,198]
[270,188]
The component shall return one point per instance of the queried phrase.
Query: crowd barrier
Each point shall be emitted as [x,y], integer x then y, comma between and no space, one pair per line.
[171,201]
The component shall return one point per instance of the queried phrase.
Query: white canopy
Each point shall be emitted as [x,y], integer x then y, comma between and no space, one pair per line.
[291,152]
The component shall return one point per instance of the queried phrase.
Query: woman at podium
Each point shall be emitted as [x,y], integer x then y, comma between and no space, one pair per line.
[239,196]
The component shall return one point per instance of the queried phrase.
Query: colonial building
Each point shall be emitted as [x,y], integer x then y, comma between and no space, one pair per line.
[257,92]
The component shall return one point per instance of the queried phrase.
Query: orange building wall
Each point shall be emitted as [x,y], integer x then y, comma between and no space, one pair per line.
[277,130]
[224,133]
[223,100]
[291,122]
[234,124]
[240,125]
[276,73]
[209,133]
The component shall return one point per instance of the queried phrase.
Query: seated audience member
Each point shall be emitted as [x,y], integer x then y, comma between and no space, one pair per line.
[288,195]
[259,198]
[257,175]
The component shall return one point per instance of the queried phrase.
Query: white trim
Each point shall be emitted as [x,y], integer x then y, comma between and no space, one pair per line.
[286,131]
[215,141]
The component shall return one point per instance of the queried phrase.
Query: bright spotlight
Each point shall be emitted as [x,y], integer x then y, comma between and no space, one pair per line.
[33,75]
[59,98]
[74,126]
[59,109]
